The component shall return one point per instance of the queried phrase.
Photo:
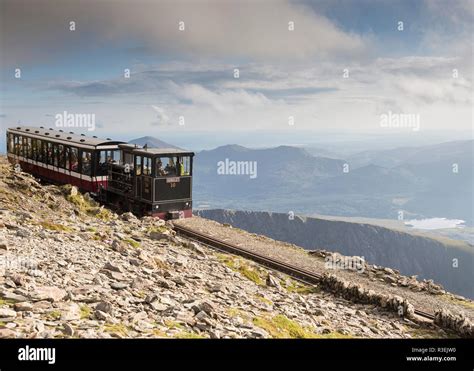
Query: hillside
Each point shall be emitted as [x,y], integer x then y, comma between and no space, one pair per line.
[74,269]
[411,254]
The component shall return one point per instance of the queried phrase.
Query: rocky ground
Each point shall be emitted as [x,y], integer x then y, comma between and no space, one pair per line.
[70,268]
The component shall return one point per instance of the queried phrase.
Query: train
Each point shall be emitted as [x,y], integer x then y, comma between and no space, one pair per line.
[127,177]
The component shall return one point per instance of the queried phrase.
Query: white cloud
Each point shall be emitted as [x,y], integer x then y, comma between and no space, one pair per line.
[223,28]
[162,117]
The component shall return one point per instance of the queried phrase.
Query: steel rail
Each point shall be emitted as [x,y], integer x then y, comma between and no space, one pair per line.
[300,274]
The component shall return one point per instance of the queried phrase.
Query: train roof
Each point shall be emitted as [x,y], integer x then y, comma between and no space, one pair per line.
[162,152]
[63,136]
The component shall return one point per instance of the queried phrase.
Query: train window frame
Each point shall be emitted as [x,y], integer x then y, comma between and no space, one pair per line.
[17,145]
[83,168]
[187,168]
[43,155]
[148,162]
[61,158]
[55,154]
[67,158]
[34,149]
[49,153]
[138,165]
[163,172]
[74,152]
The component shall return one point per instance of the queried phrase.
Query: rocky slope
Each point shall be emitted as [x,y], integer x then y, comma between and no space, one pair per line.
[70,268]
[411,254]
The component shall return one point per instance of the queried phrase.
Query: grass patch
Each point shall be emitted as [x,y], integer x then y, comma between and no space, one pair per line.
[86,204]
[465,303]
[235,312]
[117,328]
[174,324]
[263,299]
[85,312]
[189,335]
[157,229]
[6,302]
[55,227]
[294,286]
[241,266]
[54,315]
[132,242]
[159,333]
[281,327]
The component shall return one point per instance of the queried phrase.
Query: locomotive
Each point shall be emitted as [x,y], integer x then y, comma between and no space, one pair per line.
[145,181]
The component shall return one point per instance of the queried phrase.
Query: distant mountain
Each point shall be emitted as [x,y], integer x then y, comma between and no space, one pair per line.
[152,142]
[413,155]
[421,181]
[412,254]
[277,170]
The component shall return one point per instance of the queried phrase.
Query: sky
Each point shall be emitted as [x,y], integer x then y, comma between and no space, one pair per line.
[305,67]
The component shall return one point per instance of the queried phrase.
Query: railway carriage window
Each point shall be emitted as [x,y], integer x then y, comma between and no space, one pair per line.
[34,149]
[28,149]
[102,169]
[61,160]
[43,151]
[74,160]
[116,156]
[17,149]
[146,166]
[23,146]
[138,167]
[49,153]
[67,160]
[55,154]
[86,161]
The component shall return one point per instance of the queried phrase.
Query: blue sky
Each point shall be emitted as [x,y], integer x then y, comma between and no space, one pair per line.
[190,73]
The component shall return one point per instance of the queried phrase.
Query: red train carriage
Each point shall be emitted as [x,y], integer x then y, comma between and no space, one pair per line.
[145,181]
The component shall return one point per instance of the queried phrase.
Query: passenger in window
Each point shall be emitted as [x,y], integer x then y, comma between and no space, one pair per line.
[159,168]
[180,167]
[74,162]
[86,164]
[170,169]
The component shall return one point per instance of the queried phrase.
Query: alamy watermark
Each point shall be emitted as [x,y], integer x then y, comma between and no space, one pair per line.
[229,167]
[75,120]
[337,261]
[400,120]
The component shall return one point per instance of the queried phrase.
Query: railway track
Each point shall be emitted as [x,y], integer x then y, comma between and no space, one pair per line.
[302,275]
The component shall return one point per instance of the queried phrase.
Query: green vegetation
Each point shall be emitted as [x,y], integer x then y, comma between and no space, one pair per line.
[465,303]
[281,327]
[55,227]
[86,204]
[117,328]
[189,335]
[54,315]
[294,286]
[174,324]
[132,242]
[264,300]
[243,267]
[157,229]
[6,302]
[85,312]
